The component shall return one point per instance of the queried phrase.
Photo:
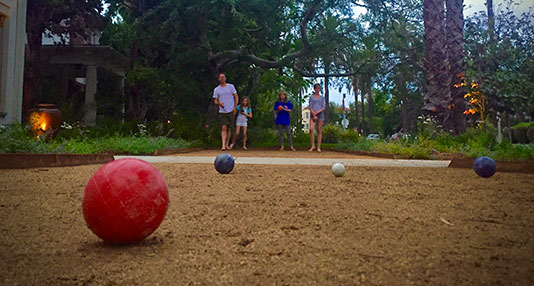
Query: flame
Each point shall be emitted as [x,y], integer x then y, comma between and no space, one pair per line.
[39,122]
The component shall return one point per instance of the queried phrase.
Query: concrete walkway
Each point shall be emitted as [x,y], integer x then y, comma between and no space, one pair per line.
[297,161]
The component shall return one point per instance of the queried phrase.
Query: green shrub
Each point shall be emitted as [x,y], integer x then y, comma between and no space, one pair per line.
[16,138]
[301,138]
[523,124]
[475,142]
[332,133]
[403,150]
[360,145]
[445,142]
[530,134]
[520,133]
[350,135]
[509,151]
[263,137]
[118,145]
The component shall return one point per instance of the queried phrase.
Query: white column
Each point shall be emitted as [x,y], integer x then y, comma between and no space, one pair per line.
[8,66]
[499,129]
[18,73]
[90,91]
[3,110]
[12,41]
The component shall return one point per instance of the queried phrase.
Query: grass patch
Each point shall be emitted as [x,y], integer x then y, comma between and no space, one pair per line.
[117,145]
[474,143]
[16,139]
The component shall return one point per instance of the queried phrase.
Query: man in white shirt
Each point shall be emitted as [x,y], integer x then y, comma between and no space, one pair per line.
[225,96]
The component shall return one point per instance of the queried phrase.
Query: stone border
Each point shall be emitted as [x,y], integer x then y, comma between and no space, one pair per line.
[502,166]
[364,153]
[27,160]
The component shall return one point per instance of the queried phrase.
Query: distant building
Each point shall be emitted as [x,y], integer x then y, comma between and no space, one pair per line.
[79,58]
[12,42]
[92,38]
[306,120]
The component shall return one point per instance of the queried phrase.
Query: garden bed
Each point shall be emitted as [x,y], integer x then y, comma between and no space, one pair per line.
[28,160]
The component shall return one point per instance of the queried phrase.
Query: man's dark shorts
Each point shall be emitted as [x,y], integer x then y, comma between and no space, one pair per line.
[227,119]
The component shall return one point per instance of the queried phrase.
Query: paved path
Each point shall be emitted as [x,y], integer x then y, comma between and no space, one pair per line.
[297,161]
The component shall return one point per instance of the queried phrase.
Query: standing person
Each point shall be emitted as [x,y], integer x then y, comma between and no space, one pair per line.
[317,107]
[283,107]
[243,115]
[225,96]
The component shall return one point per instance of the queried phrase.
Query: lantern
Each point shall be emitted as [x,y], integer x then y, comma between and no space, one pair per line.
[44,120]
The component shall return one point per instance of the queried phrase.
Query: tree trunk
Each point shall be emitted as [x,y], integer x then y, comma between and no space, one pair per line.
[404,115]
[401,86]
[370,105]
[362,94]
[298,108]
[455,41]
[491,21]
[437,87]
[355,90]
[326,92]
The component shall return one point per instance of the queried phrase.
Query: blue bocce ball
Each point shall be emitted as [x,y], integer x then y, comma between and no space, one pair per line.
[484,167]
[224,163]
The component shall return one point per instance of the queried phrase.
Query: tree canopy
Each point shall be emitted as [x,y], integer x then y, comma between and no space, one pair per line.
[177,47]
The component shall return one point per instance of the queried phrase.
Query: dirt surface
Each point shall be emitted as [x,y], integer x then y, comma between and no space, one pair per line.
[287,153]
[279,225]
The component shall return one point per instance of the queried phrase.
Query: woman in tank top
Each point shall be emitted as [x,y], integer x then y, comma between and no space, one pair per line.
[317,107]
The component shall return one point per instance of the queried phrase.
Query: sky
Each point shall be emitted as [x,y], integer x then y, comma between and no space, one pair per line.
[471,6]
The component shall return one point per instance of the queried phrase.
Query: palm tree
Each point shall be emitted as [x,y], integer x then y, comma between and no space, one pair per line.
[437,90]
[455,41]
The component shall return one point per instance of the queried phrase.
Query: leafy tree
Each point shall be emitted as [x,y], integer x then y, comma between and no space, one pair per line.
[501,60]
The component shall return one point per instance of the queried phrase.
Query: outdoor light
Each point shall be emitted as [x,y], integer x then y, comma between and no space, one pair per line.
[44,120]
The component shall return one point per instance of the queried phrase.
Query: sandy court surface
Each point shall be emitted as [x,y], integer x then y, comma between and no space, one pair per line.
[287,153]
[279,225]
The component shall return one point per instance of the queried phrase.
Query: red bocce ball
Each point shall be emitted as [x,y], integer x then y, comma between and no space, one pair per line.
[125,201]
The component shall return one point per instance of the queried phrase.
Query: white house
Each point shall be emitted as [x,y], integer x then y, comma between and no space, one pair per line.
[306,120]
[78,52]
[12,42]
[80,58]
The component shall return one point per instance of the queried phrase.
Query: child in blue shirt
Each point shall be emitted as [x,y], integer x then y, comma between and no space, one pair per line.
[283,107]
[244,113]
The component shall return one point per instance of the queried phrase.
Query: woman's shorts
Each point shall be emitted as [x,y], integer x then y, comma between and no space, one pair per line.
[320,116]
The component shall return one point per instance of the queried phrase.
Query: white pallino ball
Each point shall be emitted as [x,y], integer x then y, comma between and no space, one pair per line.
[338,170]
